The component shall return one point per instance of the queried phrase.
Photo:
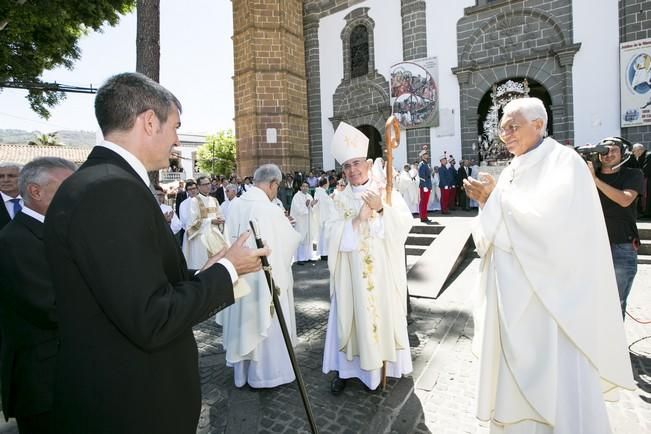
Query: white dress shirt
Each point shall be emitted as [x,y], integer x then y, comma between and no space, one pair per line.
[36,216]
[9,204]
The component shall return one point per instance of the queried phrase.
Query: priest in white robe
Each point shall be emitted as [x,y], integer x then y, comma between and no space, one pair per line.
[408,186]
[252,336]
[367,325]
[307,224]
[323,208]
[549,331]
[205,226]
[230,197]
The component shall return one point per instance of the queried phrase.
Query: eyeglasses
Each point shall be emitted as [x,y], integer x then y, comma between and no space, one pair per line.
[510,129]
[191,188]
[205,183]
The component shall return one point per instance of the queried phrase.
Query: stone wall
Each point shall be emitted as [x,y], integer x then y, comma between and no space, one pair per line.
[634,24]
[270,84]
[515,39]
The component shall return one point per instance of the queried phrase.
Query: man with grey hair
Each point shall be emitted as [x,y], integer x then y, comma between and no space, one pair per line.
[27,308]
[9,192]
[252,336]
[126,300]
[231,196]
[548,328]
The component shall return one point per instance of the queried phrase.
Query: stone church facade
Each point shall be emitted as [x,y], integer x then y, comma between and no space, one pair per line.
[566,49]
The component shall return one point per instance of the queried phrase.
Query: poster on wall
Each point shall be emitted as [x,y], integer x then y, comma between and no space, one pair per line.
[635,86]
[414,93]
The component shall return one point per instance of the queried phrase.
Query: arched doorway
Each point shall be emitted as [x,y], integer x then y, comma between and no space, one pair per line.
[374,141]
[536,90]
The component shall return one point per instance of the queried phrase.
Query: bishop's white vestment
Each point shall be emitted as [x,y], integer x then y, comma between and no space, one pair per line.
[549,330]
[367,324]
[307,225]
[408,188]
[252,337]
[200,232]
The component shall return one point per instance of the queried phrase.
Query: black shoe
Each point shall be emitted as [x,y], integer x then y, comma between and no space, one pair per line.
[425,221]
[337,385]
[324,258]
[300,263]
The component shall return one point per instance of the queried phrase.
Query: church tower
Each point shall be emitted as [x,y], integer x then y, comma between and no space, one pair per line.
[270,85]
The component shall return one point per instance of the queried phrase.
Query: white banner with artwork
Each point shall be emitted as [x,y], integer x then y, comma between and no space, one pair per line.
[414,93]
[635,64]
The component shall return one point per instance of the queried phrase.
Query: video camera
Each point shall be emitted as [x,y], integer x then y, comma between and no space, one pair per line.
[592,152]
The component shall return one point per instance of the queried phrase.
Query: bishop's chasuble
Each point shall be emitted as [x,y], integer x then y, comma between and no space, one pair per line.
[367,324]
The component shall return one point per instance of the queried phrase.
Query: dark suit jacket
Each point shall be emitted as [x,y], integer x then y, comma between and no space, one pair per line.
[4,216]
[180,197]
[27,319]
[126,304]
[219,194]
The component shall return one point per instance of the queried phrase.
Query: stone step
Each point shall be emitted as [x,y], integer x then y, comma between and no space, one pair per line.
[645,233]
[414,251]
[419,239]
[426,229]
[644,259]
[645,248]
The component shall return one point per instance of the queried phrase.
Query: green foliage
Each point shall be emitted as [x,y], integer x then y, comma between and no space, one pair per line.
[40,35]
[217,155]
[49,139]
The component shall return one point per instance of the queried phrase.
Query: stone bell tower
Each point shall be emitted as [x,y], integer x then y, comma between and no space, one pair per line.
[270,85]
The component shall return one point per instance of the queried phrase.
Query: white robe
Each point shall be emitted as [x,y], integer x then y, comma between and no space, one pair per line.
[548,324]
[252,337]
[175,224]
[226,205]
[306,224]
[367,323]
[408,188]
[434,203]
[199,226]
[324,209]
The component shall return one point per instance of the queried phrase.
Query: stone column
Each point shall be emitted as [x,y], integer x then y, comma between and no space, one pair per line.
[414,46]
[312,66]
[270,85]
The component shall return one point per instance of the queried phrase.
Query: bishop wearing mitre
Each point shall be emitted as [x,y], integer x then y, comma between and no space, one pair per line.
[367,325]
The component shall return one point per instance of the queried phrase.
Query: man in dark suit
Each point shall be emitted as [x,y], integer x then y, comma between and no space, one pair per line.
[27,312]
[181,195]
[11,200]
[463,173]
[126,301]
[219,192]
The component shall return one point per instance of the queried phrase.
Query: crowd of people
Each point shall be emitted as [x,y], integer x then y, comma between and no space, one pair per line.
[106,278]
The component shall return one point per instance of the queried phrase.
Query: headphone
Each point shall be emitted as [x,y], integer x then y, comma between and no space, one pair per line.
[625,147]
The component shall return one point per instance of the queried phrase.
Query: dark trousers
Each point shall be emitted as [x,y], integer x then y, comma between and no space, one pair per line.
[42,423]
[422,205]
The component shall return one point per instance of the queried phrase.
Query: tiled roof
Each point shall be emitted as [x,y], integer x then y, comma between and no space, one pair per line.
[23,154]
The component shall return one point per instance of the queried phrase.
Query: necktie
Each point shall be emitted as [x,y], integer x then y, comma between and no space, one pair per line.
[17,206]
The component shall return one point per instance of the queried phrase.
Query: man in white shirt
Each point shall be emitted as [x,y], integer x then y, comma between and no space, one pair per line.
[9,192]
[231,196]
[168,211]
[184,207]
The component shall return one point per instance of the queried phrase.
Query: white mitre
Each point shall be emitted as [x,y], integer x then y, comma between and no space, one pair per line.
[348,143]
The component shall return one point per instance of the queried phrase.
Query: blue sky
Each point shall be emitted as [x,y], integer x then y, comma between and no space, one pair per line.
[196,65]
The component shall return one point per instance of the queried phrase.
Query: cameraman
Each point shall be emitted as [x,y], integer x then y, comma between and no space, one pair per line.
[618,188]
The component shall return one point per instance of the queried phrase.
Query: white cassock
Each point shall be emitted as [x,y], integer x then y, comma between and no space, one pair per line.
[406,184]
[306,224]
[549,331]
[252,337]
[200,231]
[175,224]
[324,209]
[226,205]
[367,324]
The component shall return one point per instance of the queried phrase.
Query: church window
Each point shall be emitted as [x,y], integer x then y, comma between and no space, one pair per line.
[359,53]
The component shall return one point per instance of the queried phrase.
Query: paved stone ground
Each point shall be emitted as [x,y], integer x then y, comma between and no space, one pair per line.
[439,396]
